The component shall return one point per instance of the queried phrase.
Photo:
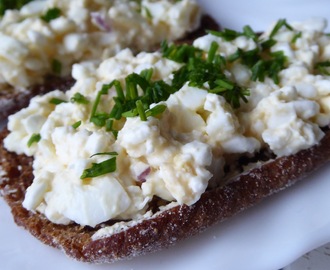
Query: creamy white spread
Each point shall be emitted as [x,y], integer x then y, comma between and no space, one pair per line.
[176,155]
[85,30]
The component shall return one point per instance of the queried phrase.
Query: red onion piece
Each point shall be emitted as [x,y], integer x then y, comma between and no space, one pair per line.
[142,177]
[99,20]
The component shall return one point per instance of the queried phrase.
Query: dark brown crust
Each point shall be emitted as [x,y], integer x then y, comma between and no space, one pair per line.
[207,23]
[166,228]
[13,100]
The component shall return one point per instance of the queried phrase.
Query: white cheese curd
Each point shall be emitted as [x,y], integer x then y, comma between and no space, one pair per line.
[29,121]
[197,114]
[85,30]
[177,154]
[285,122]
[179,168]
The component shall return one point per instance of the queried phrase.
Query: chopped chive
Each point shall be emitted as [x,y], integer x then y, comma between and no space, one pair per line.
[225,84]
[51,14]
[237,55]
[281,23]
[213,50]
[35,138]
[105,153]
[156,110]
[268,43]
[76,125]
[130,113]
[226,34]
[109,125]
[12,4]
[322,68]
[98,169]
[258,71]
[140,110]
[56,67]
[99,119]
[247,31]
[79,98]
[117,110]
[180,53]
[148,13]
[147,74]
[220,61]
[131,89]
[119,90]
[57,101]
[296,37]
[104,91]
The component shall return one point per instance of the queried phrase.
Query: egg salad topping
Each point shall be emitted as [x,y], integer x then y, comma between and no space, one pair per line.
[165,126]
[47,37]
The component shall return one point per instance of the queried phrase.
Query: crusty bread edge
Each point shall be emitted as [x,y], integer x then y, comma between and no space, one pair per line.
[168,227]
[14,100]
[214,206]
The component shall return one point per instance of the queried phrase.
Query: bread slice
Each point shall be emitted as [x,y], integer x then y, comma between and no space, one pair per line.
[163,228]
[12,99]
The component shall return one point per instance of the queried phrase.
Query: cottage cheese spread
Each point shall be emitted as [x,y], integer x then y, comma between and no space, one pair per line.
[85,30]
[173,155]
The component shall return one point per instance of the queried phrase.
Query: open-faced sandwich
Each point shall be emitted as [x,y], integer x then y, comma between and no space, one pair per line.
[41,40]
[146,150]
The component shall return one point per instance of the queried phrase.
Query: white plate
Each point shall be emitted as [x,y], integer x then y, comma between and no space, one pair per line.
[267,237]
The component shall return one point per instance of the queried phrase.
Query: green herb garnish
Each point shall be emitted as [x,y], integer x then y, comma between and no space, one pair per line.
[139,94]
[57,101]
[56,67]
[157,110]
[262,62]
[268,67]
[11,4]
[98,169]
[76,125]
[322,68]
[230,35]
[281,23]
[296,37]
[226,34]
[35,138]
[267,44]
[212,52]
[105,153]
[248,32]
[109,127]
[141,110]
[180,54]
[99,119]
[79,98]
[147,74]
[51,14]
[148,13]
[199,70]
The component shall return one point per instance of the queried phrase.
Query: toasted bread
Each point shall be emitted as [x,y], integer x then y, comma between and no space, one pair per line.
[12,100]
[163,228]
